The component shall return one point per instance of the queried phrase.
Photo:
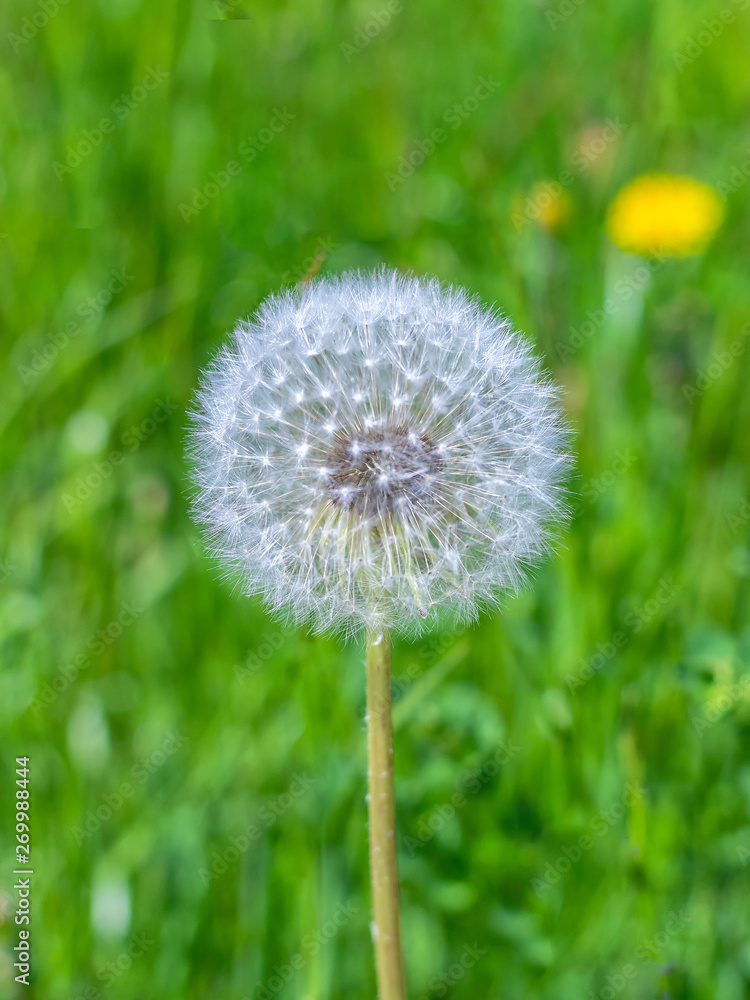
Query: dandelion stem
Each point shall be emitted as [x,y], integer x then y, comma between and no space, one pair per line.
[383,870]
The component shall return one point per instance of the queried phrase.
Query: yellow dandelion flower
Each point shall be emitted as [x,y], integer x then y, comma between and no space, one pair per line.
[664,214]
[547,204]
[552,204]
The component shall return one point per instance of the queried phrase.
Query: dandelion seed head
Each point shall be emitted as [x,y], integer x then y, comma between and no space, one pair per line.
[373,448]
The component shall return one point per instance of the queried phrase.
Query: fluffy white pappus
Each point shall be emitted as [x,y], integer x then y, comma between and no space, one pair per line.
[372,448]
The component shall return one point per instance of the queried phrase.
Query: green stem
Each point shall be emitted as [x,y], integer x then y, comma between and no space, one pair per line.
[386,930]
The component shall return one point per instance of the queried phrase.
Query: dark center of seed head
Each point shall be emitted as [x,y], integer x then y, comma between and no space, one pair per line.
[382,470]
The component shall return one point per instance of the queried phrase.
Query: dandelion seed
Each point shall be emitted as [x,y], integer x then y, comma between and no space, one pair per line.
[394,505]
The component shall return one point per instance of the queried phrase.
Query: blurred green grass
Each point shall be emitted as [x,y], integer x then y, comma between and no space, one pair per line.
[93,413]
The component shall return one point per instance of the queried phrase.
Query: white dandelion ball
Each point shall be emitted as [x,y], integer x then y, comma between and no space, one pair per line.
[372,448]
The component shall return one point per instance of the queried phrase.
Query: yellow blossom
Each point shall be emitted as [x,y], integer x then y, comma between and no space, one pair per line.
[553,203]
[548,204]
[664,213]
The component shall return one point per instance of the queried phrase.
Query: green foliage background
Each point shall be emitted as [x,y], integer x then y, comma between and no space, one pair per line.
[105,404]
